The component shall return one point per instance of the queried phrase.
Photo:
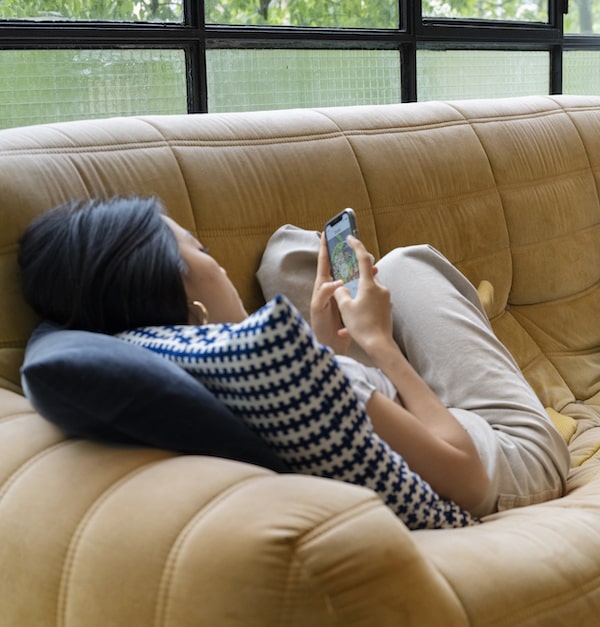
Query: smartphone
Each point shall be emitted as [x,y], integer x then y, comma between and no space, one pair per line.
[342,258]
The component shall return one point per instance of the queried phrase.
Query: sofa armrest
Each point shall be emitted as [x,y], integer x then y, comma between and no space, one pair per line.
[101,535]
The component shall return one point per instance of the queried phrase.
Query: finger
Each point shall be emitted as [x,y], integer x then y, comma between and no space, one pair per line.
[365,259]
[329,287]
[323,266]
[342,295]
[323,294]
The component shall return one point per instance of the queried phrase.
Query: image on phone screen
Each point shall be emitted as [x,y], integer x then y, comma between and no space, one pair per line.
[344,264]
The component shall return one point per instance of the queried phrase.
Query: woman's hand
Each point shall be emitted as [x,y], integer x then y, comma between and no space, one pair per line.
[324,314]
[367,316]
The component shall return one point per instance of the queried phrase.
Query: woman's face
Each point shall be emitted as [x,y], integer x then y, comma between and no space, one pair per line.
[206,281]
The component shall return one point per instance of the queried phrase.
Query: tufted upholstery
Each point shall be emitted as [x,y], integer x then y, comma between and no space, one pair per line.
[93,535]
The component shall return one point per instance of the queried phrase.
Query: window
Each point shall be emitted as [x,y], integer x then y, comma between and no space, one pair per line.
[515,10]
[67,59]
[58,84]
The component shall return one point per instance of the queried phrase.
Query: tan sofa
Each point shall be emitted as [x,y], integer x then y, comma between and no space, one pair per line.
[95,536]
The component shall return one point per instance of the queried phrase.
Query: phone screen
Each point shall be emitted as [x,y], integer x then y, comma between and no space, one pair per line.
[344,264]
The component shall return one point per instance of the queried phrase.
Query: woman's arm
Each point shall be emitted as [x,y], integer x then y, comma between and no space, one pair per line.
[423,431]
[433,443]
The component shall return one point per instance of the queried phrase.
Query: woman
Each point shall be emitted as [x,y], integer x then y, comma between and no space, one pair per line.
[483,442]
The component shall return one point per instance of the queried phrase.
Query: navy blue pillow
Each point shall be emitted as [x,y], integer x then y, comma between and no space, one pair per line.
[96,386]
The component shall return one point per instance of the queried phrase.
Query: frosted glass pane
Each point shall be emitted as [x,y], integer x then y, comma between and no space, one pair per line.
[458,74]
[583,17]
[38,86]
[249,80]
[511,10]
[308,13]
[581,72]
[115,10]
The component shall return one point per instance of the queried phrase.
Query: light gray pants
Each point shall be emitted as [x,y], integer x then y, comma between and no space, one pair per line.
[441,327]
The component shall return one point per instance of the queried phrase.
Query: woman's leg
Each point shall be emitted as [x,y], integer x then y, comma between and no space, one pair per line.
[442,329]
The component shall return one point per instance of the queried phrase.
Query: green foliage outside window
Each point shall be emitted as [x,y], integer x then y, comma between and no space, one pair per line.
[93,10]
[315,13]
[518,10]
[583,16]
[307,13]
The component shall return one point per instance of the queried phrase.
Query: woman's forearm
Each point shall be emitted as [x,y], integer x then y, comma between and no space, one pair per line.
[425,433]
[454,471]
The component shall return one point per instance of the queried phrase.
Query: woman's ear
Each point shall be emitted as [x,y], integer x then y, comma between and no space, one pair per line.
[198,313]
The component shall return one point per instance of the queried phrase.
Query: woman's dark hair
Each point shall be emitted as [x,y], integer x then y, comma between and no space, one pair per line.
[104,266]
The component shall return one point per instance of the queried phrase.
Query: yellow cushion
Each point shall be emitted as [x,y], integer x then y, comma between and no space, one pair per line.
[486,294]
[565,425]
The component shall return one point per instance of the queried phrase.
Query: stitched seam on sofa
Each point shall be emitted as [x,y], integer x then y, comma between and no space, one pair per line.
[58,129]
[500,198]
[170,568]
[550,179]
[370,502]
[557,239]
[384,130]
[490,168]
[493,188]
[588,457]
[264,141]
[347,135]
[514,117]
[190,204]
[438,201]
[72,549]
[387,210]
[9,249]
[532,363]
[237,232]
[297,572]
[519,309]
[298,564]
[18,416]
[574,353]
[240,231]
[16,343]
[244,140]
[23,468]
[577,109]
[10,153]
[539,357]
[583,144]
[544,607]
[527,323]
[358,163]
[163,596]
[400,130]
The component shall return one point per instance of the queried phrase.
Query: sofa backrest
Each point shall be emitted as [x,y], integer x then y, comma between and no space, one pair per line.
[507,189]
